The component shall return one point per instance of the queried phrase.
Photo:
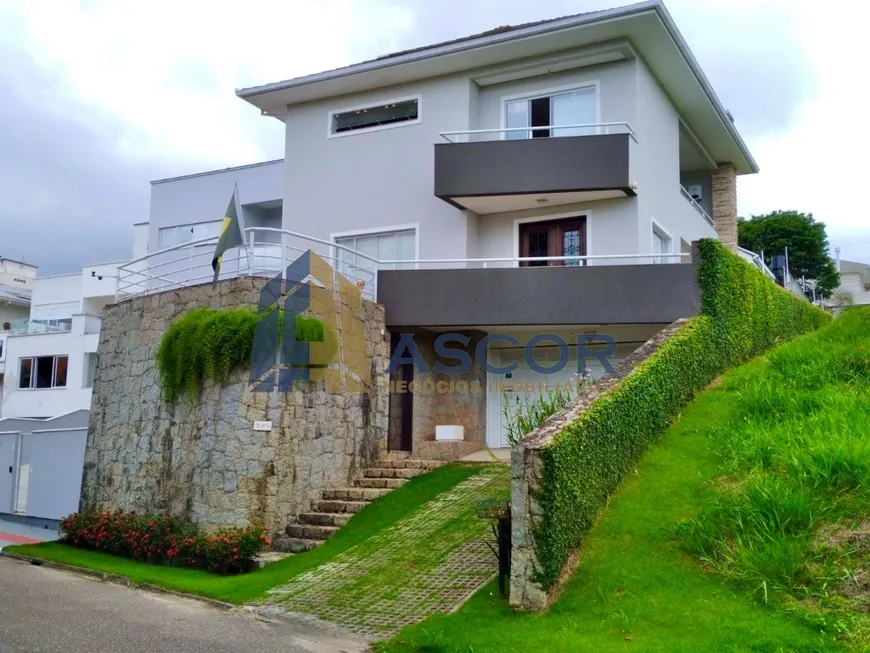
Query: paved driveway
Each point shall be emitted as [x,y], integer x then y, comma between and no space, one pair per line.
[44,610]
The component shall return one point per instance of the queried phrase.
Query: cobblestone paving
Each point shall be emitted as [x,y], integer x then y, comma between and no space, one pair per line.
[428,562]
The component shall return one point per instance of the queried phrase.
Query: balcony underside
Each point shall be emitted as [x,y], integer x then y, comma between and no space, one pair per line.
[618,294]
[511,175]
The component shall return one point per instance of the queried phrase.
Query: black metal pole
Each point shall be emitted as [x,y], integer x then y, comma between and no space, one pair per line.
[504,553]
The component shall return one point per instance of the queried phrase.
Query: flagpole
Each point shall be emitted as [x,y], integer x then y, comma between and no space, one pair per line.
[248,248]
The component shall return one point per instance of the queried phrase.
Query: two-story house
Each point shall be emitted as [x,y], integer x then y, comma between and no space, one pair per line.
[589,148]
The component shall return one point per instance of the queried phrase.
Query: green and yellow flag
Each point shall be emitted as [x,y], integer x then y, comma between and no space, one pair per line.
[230,236]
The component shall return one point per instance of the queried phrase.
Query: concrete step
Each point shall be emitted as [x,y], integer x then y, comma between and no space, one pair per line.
[325,518]
[407,463]
[294,544]
[395,455]
[338,506]
[353,494]
[390,483]
[389,472]
[309,532]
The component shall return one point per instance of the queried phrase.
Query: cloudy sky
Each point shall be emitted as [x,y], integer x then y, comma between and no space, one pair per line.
[97,97]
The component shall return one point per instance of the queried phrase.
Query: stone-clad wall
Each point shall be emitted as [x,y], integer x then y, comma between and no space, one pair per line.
[203,460]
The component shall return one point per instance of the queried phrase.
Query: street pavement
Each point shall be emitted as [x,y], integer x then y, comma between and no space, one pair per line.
[47,610]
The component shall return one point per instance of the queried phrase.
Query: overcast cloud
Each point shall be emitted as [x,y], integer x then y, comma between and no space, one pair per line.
[98,97]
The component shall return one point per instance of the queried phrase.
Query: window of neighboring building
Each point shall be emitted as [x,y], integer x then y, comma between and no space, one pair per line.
[181,234]
[661,245]
[576,107]
[43,372]
[90,369]
[372,117]
[55,315]
[384,246]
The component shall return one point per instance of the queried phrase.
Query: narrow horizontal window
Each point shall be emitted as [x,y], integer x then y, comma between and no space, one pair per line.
[375,116]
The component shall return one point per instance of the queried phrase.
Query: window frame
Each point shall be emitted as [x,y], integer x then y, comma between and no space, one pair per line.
[89,356]
[372,105]
[548,92]
[34,372]
[378,231]
[664,234]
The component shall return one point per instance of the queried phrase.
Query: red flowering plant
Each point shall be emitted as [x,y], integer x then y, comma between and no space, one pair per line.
[165,539]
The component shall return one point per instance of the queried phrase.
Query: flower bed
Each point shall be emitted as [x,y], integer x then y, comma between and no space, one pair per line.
[167,540]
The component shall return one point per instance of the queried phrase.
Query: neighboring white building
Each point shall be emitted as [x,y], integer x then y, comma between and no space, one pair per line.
[50,357]
[854,281]
[16,285]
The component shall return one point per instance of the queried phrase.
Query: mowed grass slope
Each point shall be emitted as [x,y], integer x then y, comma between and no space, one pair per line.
[370,521]
[741,530]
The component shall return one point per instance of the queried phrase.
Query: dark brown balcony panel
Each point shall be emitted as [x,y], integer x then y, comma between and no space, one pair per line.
[618,294]
[507,175]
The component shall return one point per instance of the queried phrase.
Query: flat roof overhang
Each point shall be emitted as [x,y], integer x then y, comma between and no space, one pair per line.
[648,26]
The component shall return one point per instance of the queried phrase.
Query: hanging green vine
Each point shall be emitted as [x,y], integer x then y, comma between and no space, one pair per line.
[209,344]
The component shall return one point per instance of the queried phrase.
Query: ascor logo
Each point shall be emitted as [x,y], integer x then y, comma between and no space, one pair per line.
[308,333]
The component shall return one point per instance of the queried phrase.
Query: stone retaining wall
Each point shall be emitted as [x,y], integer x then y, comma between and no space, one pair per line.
[203,460]
[526,466]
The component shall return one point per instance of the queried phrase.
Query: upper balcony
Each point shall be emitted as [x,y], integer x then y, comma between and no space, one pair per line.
[511,169]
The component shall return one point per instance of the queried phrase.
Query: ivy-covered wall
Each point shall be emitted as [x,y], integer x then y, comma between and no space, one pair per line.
[564,472]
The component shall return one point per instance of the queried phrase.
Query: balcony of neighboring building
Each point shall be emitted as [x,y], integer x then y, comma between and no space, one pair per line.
[517,168]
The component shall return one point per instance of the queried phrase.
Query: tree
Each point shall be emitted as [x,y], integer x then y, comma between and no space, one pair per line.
[805,238]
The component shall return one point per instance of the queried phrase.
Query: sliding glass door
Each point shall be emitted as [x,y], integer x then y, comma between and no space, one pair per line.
[577,107]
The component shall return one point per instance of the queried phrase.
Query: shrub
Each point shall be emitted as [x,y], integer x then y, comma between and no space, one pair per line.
[209,344]
[526,415]
[164,539]
[743,314]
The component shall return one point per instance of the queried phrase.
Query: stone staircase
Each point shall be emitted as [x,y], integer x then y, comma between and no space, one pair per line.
[337,505]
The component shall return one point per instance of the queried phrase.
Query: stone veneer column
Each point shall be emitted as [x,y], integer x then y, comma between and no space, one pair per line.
[724,200]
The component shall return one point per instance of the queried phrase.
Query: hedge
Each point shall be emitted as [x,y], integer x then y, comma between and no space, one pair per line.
[165,540]
[743,314]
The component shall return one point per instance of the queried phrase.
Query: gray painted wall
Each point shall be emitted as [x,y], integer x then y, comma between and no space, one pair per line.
[204,198]
[383,179]
[375,179]
[658,169]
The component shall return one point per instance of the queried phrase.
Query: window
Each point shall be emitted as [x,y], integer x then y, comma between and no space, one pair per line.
[578,107]
[91,361]
[43,372]
[553,238]
[393,113]
[55,315]
[661,245]
[386,246]
[179,235]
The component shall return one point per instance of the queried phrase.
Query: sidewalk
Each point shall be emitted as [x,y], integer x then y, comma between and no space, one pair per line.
[14,533]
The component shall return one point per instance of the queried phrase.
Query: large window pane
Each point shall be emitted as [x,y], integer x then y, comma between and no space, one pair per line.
[25,374]
[562,113]
[406,249]
[60,368]
[166,237]
[517,116]
[585,110]
[44,371]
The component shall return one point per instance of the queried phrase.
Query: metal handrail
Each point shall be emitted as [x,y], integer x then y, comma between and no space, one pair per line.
[506,130]
[523,259]
[698,207]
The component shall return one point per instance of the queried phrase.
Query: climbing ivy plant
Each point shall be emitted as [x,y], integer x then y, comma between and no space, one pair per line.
[210,344]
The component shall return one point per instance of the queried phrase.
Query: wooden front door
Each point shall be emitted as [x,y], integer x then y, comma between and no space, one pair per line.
[553,238]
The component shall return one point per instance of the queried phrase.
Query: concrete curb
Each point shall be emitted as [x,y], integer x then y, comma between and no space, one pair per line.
[116,579]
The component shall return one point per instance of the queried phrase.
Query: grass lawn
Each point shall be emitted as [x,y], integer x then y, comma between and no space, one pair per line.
[713,544]
[370,521]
